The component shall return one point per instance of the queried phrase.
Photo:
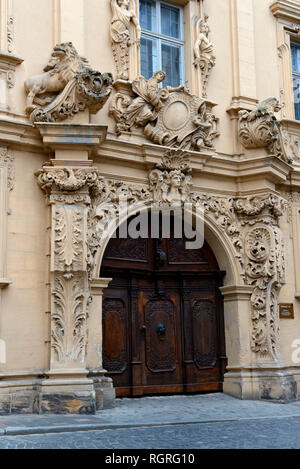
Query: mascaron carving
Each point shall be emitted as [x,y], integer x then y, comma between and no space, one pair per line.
[67,86]
[260,128]
[204,52]
[169,116]
[124,19]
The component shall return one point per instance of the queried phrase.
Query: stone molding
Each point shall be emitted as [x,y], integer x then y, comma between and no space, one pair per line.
[288,10]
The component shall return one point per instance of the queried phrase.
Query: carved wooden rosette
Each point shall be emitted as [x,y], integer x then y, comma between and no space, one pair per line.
[68,191]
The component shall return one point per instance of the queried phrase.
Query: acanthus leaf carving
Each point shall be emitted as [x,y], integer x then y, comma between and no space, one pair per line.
[169,116]
[68,319]
[67,86]
[259,128]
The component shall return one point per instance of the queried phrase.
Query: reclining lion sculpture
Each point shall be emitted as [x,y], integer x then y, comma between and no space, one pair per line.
[67,86]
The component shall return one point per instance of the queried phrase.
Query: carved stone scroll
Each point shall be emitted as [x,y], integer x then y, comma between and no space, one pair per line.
[67,86]
[260,128]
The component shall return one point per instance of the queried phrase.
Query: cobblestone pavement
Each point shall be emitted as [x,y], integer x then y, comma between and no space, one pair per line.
[158,410]
[277,433]
[169,422]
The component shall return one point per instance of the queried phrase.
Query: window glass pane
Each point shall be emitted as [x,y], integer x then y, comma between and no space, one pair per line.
[295,47]
[296,89]
[171,64]
[148,15]
[148,57]
[170,21]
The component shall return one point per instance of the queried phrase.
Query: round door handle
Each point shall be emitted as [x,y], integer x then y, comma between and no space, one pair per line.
[143,328]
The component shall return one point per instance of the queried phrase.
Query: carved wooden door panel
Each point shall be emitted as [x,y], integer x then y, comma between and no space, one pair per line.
[116,337]
[161,342]
[203,329]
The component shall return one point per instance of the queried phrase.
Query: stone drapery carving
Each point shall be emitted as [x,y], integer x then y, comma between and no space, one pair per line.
[204,57]
[259,128]
[7,159]
[67,86]
[69,192]
[169,116]
[124,20]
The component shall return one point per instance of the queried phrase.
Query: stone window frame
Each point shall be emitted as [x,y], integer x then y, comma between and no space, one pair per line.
[287,14]
[159,37]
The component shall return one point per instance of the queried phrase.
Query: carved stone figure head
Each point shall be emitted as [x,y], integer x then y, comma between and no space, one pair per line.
[160,75]
[175,178]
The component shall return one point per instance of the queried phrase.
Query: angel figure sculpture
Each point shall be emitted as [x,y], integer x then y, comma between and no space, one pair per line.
[149,101]
[121,39]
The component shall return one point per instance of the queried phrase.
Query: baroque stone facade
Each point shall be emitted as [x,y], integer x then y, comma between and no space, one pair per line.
[83,151]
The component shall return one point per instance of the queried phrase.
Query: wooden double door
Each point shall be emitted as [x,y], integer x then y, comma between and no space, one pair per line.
[163,329]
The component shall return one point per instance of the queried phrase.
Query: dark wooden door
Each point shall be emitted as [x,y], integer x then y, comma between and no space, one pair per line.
[163,328]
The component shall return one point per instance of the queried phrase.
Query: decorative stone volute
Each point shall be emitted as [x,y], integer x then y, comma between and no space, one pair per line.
[260,128]
[67,86]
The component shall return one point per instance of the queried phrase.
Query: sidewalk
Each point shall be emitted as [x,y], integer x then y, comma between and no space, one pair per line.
[151,412]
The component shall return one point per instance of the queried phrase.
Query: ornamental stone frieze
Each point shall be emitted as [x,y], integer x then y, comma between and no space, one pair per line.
[67,86]
[169,116]
[260,128]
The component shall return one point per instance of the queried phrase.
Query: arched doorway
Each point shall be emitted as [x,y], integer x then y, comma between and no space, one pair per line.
[163,320]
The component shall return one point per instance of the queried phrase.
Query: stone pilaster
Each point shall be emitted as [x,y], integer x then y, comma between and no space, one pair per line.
[68,183]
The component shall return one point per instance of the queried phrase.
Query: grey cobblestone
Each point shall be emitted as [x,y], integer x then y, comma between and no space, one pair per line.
[200,421]
[263,434]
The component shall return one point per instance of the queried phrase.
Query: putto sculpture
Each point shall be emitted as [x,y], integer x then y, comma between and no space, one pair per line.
[169,116]
[121,39]
[67,86]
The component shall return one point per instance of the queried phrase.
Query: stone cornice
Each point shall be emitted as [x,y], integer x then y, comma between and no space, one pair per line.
[288,10]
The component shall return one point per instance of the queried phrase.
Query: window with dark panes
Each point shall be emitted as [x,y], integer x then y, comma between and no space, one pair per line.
[295,48]
[162,45]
